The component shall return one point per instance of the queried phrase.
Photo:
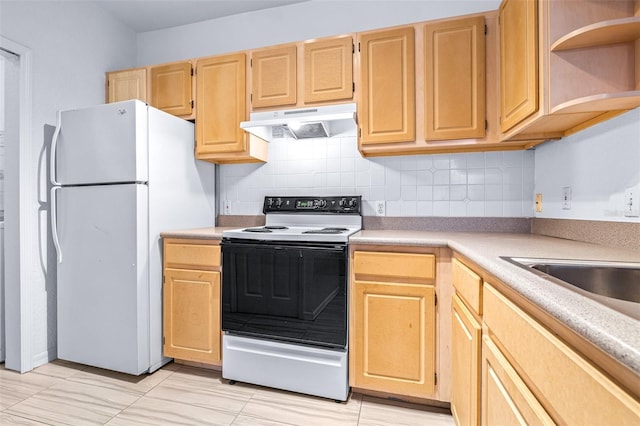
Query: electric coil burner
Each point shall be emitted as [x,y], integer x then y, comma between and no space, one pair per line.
[284,296]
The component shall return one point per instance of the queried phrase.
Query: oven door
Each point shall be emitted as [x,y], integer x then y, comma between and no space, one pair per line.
[287,291]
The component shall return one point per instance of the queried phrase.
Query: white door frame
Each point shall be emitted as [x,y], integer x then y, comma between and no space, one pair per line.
[22,230]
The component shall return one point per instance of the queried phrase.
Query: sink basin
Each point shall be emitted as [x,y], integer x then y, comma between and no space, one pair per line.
[615,284]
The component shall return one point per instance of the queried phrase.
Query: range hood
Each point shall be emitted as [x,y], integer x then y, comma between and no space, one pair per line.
[303,123]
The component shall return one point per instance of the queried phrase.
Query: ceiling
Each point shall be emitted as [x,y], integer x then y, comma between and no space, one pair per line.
[149,15]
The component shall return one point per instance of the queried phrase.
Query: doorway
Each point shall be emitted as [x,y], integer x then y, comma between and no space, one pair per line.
[16,304]
[9,105]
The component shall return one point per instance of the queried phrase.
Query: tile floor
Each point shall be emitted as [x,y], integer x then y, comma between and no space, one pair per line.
[64,393]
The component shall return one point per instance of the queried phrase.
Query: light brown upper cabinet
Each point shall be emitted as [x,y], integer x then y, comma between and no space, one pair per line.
[518,61]
[455,79]
[387,104]
[588,65]
[454,103]
[221,97]
[127,84]
[274,77]
[328,70]
[172,88]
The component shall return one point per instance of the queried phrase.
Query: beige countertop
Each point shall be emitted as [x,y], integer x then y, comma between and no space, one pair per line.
[616,334]
[210,233]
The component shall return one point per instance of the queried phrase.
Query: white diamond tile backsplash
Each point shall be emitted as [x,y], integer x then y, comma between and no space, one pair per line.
[490,184]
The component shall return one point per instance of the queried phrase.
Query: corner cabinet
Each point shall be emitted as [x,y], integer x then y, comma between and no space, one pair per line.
[518,61]
[393,323]
[172,88]
[221,106]
[191,300]
[387,104]
[565,68]
[125,85]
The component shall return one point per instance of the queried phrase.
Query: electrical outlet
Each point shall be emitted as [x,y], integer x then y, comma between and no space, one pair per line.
[226,207]
[538,203]
[380,208]
[566,198]
[631,202]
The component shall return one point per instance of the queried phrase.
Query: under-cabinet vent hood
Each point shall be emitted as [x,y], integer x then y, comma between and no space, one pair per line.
[303,123]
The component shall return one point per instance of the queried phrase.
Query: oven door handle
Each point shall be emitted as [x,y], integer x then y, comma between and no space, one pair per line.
[317,248]
[335,249]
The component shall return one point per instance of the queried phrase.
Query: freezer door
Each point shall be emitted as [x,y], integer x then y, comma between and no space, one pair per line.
[103,280]
[102,144]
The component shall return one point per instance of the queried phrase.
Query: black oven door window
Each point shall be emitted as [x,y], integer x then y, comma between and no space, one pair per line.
[285,291]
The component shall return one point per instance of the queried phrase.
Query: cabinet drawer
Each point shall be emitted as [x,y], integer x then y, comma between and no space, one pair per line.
[191,254]
[571,387]
[395,266]
[506,399]
[468,284]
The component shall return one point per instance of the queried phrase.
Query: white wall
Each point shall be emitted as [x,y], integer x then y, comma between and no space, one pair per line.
[302,21]
[598,164]
[72,45]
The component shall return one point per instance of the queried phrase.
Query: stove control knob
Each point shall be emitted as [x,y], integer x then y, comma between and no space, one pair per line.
[278,202]
[320,204]
[352,202]
[269,202]
[343,202]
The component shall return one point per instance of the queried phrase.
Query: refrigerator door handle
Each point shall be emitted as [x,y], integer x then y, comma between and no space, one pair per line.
[54,146]
[54,223]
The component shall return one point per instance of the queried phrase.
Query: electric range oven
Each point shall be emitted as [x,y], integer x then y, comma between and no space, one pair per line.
[284,296]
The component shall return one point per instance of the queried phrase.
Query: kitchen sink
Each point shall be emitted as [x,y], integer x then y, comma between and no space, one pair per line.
[615,284]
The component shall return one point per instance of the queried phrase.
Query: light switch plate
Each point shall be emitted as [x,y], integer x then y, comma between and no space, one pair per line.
[631,202]
[566,198]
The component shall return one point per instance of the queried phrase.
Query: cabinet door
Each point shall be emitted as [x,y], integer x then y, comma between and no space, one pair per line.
[328,70]
[573,389]
[465,354]
[192,315]
[221,86]
[455,79]
[394,338]
[127,84]
[273,77]
[518,61]
[506,400]
[387,107]
[171,88]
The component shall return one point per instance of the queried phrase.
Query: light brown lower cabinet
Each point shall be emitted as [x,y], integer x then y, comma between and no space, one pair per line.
[570,388]
[506,399]
[393,325]
[466,335]
[191,300]
[510,369]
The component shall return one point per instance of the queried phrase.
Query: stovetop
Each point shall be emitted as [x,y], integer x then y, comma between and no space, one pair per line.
[312,219]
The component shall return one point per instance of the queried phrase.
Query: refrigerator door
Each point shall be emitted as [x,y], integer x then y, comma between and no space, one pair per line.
[103,280]
[101,144]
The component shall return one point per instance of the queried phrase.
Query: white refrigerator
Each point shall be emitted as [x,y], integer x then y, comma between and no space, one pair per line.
[121,173]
